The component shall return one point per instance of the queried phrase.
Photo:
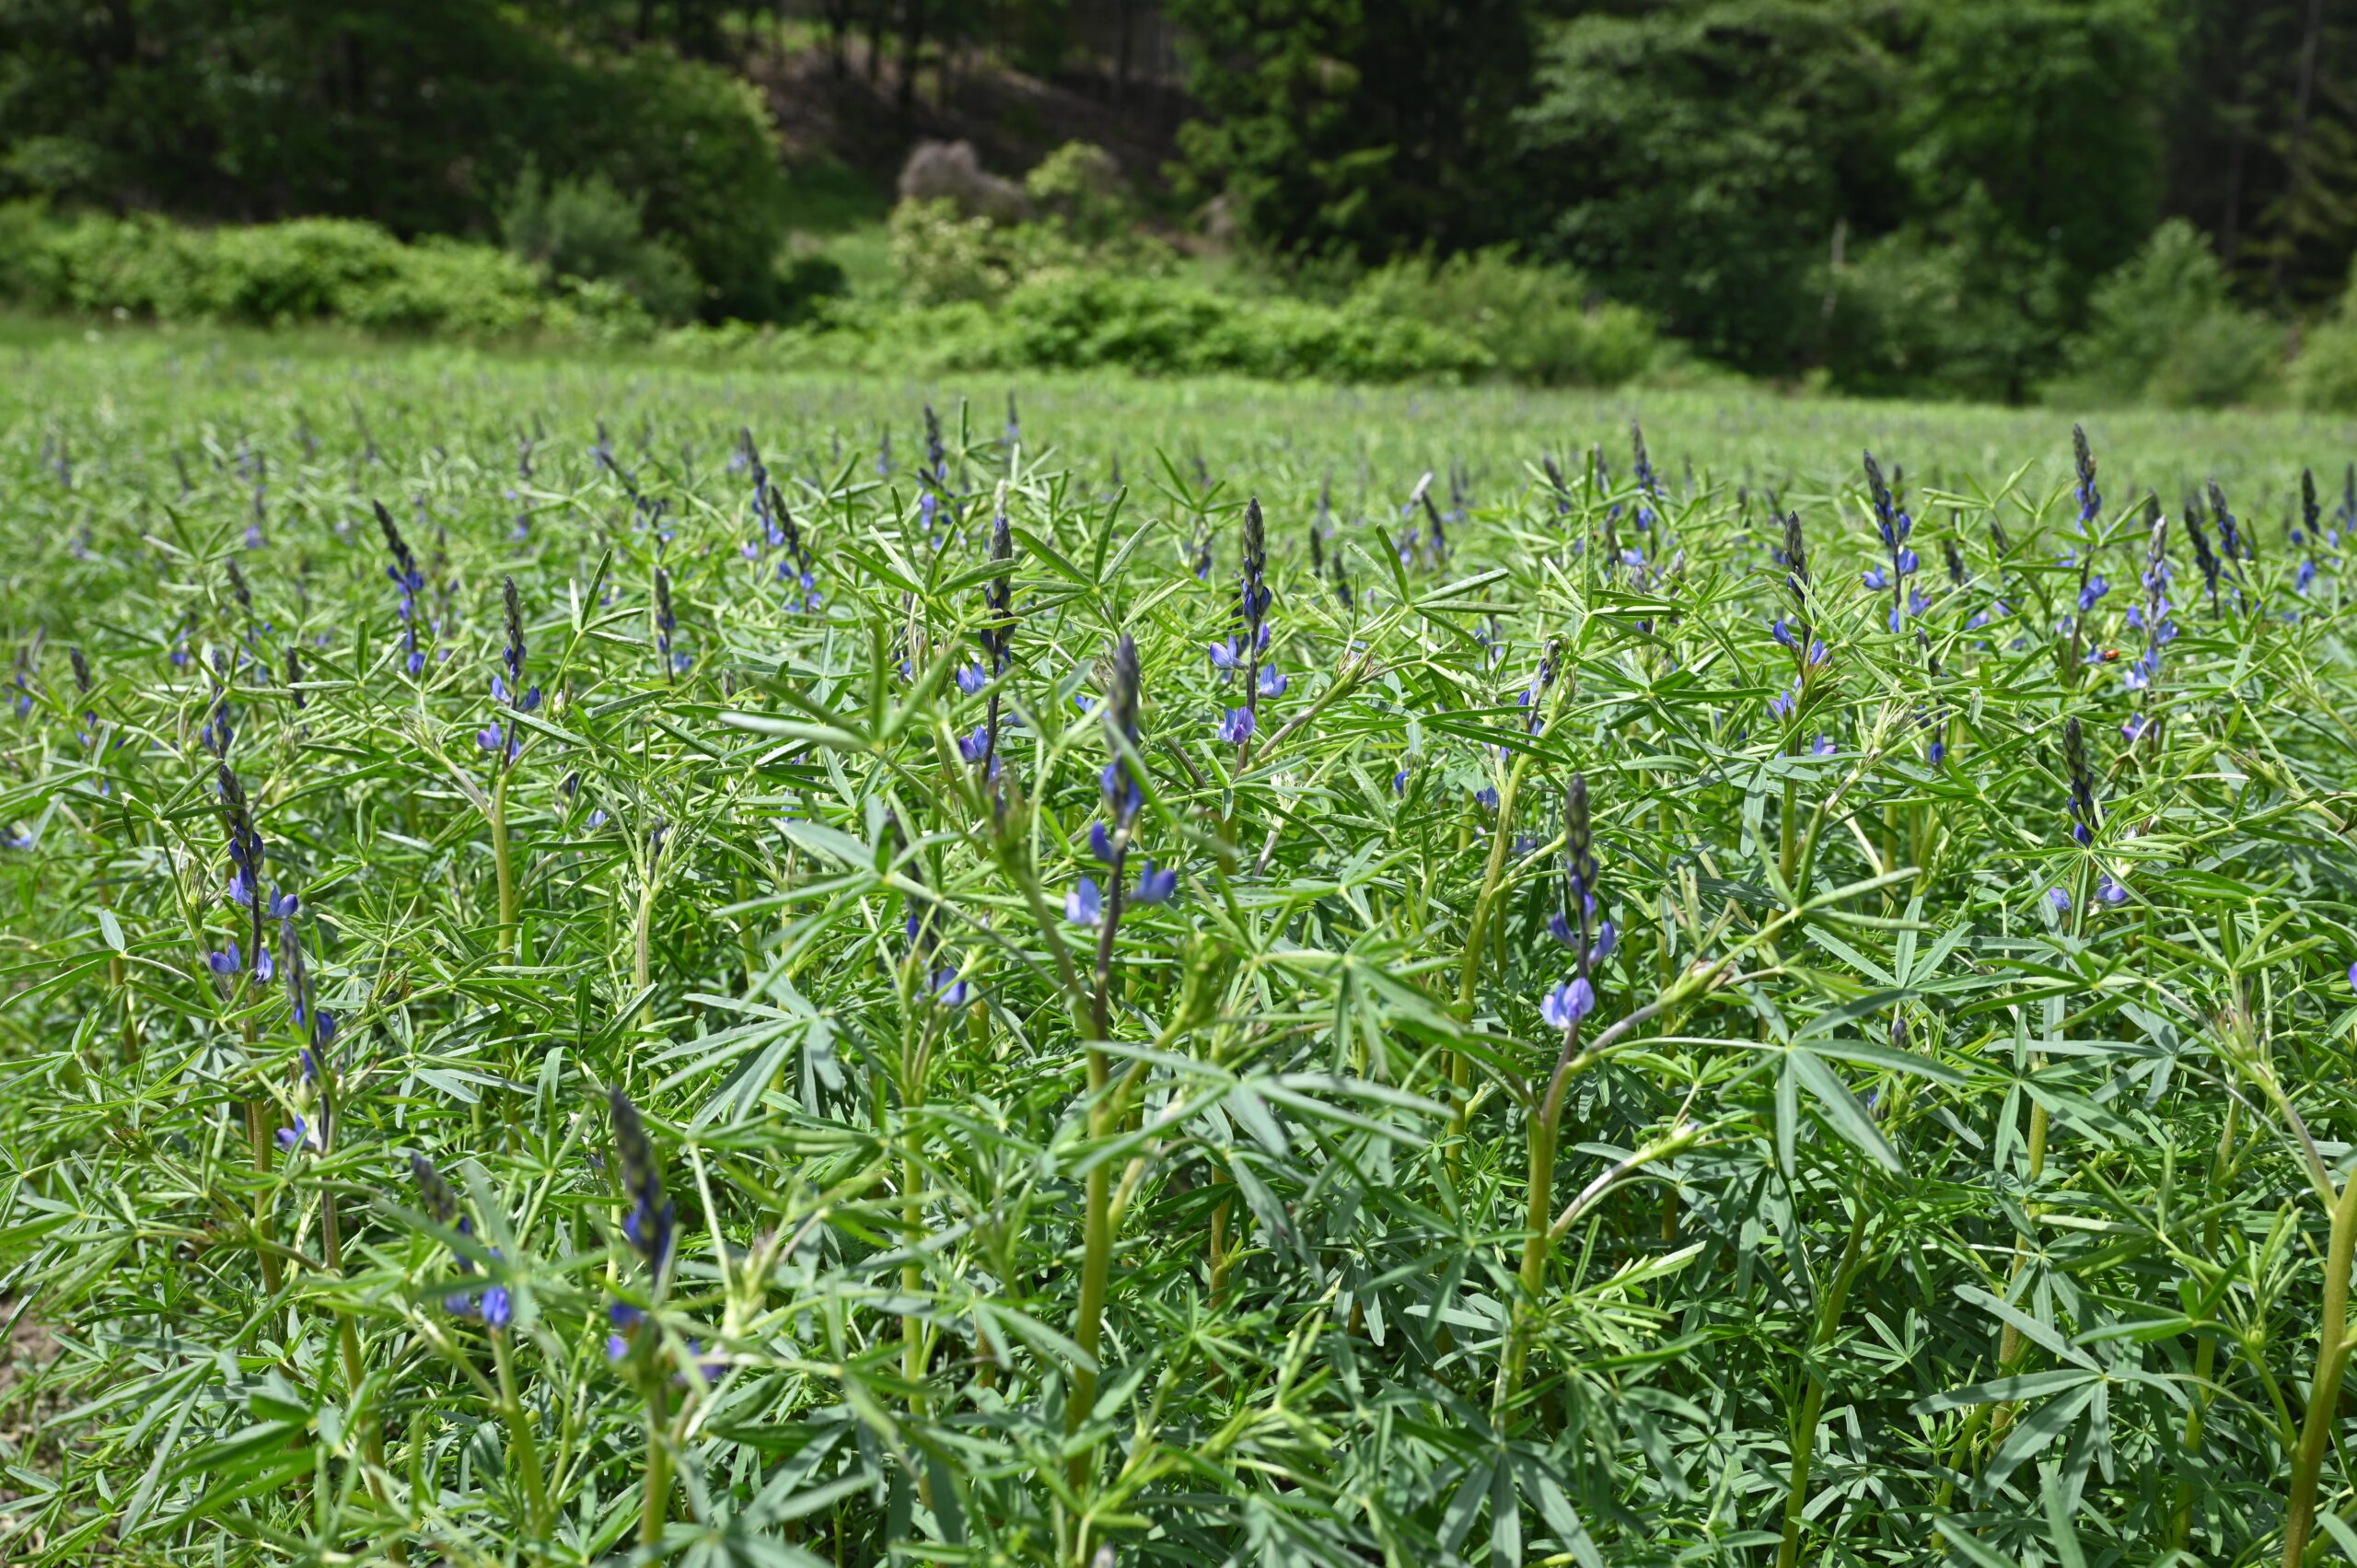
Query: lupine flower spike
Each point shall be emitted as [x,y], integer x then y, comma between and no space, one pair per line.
[406,578]
[648,1223]
[2085,816]
[1894,525]
[998,633]
[1567,1004]
[442,1208]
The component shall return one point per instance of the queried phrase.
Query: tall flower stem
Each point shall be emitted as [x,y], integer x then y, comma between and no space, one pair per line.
[258,1137]
[1096,1232]
[523,1450]
[510,936]
[2336,1337]
[1538,1211]
[1828,1323]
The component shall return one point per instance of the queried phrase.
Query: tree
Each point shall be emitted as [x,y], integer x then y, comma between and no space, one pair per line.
[1359,127]
[1700,159]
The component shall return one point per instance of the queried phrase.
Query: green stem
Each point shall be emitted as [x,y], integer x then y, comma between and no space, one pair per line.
[523,1452]
[508,935]
[1460,1067]
[1538,1211]
[2333,1344]
[657,1503]
[1829,1320]
[1096,1236]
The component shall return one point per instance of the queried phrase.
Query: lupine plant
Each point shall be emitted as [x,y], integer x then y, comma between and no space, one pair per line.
[768,1006]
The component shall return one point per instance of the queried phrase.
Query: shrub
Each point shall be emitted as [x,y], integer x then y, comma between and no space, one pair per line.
[949,171]
[1086,320]
[2160,329]
[2325,375]
[309,270]
[1538,324]
[587,228]
[941,255]
[694,143]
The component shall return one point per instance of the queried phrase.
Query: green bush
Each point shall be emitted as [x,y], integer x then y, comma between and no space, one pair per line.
[941,256]
[2325,375]
[1538,324]
[1086,320]
[587,228]
[2162,329]
[312,270]
[695,143]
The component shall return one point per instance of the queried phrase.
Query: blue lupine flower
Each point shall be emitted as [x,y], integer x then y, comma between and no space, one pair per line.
[951,987]
[2059,899]
[1606,940]
[2306,575]
[1226,655]
[298,1135]
[1875,577]
[2090,498]
[1824,747]
[1909,562]
[1783,704]
[228,961]
[2084,814]
[1783,634]
[498,1310]
[2096,588]
[2110,892]
[1917,601]
[1155,887]
[1400,781]
[1236,726]
[263,969]
[1486,798]
[1272,683]
[648,1223]
[975,747]
[1579,848]
[626,1319]
[1558,926]
[971,678]
[1084,905]
[1568,1002]
[1124,794]
[2353,977]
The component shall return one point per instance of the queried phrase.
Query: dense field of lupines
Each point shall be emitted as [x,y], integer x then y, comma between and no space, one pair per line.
[609,962]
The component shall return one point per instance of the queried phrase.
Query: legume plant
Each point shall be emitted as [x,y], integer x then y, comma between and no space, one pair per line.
[625,980]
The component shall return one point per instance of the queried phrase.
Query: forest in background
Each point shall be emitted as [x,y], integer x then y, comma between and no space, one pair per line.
[1974,198]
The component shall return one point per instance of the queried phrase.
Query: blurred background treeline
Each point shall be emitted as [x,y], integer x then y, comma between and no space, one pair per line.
[2102,200]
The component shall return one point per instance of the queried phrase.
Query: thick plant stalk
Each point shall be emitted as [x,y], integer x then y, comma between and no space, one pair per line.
[522,1448]
[1828,1321]
[2334,1341]
[1097,1233]
[656,1502]
[1539,1212]
[509,936]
